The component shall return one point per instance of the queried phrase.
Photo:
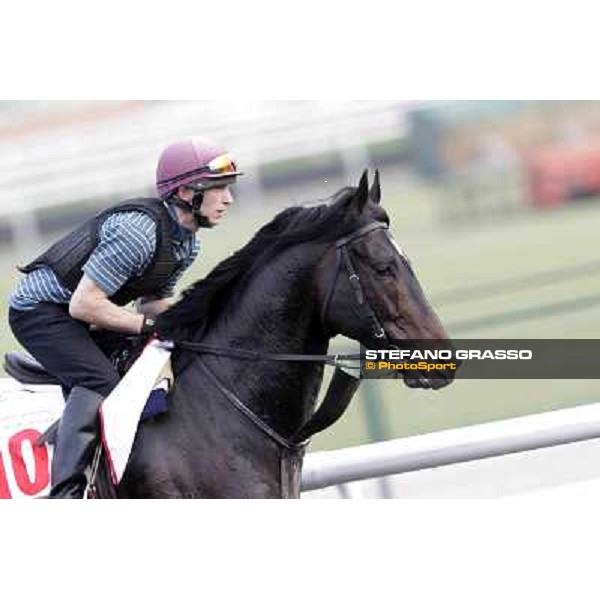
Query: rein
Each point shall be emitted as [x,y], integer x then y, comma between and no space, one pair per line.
[336,400]
[335,360]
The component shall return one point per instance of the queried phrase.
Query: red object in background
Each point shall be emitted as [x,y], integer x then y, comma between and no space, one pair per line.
[561,173]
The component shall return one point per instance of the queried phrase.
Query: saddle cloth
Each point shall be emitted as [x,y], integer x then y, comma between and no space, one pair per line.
[121,411]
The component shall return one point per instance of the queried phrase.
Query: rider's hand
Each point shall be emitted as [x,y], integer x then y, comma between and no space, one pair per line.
[148,327]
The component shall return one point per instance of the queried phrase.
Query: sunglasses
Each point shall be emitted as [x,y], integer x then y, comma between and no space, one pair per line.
[220,165]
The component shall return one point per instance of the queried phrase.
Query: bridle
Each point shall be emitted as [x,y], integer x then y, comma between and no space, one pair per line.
[365,311]
[329,411]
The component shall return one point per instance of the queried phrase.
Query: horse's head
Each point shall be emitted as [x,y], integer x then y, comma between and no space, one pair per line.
[369,292]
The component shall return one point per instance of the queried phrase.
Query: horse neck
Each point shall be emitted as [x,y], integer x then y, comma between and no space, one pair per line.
[275,312]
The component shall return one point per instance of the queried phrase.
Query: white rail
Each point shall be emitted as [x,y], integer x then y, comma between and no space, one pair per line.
[324,469]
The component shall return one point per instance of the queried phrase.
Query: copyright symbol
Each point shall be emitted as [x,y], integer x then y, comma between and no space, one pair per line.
[370,366]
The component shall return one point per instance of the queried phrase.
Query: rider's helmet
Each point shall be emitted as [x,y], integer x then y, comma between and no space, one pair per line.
[194,162]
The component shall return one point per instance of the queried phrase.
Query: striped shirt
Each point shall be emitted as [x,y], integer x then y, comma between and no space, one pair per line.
[127,241]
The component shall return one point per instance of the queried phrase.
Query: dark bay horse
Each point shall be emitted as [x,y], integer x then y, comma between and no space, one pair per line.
[289,290]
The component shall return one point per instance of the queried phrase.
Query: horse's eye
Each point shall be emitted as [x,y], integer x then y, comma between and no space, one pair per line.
[384,269]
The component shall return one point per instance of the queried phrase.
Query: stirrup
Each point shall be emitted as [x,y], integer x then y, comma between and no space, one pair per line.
[91,490]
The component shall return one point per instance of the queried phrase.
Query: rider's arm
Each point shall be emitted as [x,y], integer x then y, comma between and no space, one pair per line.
[126,245]
[151,306]
[90,304]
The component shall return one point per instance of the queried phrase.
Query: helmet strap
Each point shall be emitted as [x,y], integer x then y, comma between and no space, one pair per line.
[191,207]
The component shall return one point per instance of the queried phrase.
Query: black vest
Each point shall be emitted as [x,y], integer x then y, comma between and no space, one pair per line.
[67,256]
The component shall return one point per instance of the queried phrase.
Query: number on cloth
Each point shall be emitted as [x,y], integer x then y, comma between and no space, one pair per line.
[4,489]
[26,484]
[40,456]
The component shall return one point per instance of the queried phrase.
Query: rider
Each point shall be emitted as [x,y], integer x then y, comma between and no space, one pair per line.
[135,250]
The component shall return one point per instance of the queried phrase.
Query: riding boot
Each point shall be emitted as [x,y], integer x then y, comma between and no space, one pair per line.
[77,435]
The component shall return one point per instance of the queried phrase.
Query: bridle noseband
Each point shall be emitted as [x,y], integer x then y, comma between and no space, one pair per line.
[365,311]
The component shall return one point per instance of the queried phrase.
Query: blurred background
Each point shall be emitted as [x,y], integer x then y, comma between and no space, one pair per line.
[496,203]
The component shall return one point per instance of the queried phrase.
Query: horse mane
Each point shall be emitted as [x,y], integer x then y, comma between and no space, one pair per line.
[202,301]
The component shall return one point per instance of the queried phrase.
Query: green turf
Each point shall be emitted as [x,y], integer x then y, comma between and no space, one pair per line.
[448,256]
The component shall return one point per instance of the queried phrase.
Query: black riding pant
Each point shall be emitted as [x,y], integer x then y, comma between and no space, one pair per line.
[64,347]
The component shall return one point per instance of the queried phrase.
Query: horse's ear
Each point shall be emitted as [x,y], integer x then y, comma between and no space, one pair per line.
[362,194]
[375,192]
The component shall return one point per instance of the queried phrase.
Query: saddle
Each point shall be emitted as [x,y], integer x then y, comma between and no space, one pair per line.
[25,369]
